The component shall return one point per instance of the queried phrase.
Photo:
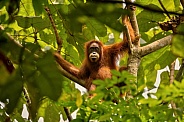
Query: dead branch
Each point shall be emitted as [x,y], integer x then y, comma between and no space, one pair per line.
[145,50]
[171,76]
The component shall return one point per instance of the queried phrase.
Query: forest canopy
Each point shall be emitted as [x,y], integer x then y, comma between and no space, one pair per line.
[31,77]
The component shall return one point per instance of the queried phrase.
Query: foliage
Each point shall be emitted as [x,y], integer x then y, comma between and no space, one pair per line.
[37,82]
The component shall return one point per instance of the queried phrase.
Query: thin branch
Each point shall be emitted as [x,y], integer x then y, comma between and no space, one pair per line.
[171,76]
[164,9]
[180,72]
[58,39]
[173,105]
[68,114]
[145,50]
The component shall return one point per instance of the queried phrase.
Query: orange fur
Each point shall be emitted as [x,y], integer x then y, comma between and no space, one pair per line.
[109,55]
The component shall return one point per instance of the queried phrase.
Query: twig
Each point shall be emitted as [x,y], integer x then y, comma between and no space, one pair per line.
[68,114]
[28,101]
[35,36]
[58,39]
[145,50]
[164,9]
[173,105]
[180,72]
[172,68]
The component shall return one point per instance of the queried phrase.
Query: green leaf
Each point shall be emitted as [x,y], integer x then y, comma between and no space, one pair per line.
[41,76]
[38,6]
[115,91]
[6,46]
[96,27]
[150,18]
[177,45]
[150,101]
[79,99]
[88,34]
[98,82]
[77,120]
[11,91]
[105,117]
[104,13]
[78,42]
[35,21]
[51,113]
[72,52]
[164,78]
[147,72]
[47,36]
[47,77]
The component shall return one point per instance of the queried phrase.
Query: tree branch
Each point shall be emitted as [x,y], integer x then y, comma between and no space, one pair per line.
[59,40]
[145,50]
[68,114]
[172,69]
[133,60]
